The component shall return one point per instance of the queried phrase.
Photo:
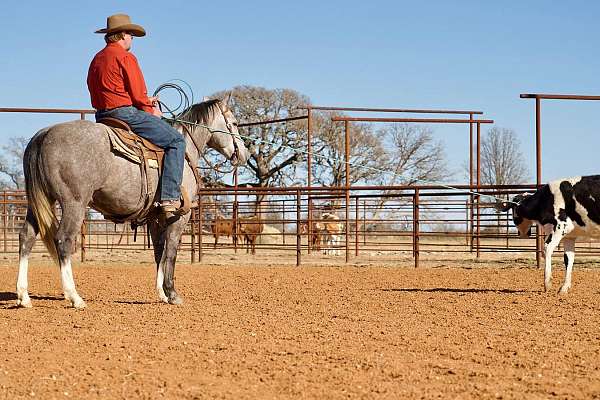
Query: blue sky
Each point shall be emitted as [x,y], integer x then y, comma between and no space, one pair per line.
[436,54]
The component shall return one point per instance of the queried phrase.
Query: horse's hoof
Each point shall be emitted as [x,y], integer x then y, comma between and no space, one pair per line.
[547,287]
[563,290]
[176,300]
[78,303]
[162,296]
[26,303]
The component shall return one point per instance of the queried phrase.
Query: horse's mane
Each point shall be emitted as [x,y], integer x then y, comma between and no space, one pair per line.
[204,112]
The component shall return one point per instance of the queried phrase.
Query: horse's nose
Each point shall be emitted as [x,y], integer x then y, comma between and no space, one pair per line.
[241,156]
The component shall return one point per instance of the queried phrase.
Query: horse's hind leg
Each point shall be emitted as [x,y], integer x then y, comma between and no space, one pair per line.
[66,241]
[27,236]
[158,243]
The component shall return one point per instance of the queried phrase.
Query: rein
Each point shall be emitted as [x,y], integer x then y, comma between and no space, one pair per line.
[358,166]
[186,126]
[185,102]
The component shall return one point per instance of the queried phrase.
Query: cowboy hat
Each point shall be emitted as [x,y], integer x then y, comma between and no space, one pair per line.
[119,23]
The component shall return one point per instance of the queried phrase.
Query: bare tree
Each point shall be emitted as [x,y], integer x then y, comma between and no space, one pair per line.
[502,162]
[275,149]
[11,164]
[414,156]
[367,156]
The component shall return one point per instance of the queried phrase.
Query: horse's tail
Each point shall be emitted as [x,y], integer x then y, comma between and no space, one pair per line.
[37,194]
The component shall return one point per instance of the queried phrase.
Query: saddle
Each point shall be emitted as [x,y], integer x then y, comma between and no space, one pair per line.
[131,146]
[124,142]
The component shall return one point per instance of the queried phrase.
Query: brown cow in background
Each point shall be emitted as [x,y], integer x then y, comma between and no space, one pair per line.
[315,234]
[331,233]
[250,228]
[222,227]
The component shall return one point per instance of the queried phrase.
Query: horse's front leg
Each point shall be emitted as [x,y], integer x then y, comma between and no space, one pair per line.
[569,257]
[157,233]
[167,263]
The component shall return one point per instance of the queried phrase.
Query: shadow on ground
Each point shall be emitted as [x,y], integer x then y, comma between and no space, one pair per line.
[457,290]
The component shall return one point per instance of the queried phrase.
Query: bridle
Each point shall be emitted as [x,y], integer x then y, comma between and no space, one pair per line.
[230,127]
[186,125]
[228,123]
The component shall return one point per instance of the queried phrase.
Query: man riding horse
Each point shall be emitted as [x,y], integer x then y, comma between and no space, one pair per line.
[117,90]
[76,165]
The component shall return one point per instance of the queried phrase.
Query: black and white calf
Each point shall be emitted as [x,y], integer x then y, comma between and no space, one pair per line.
[565,210]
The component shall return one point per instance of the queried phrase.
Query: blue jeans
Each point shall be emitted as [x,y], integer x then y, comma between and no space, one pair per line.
[164,136]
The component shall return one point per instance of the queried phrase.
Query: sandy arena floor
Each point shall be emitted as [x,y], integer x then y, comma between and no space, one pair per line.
[447,330]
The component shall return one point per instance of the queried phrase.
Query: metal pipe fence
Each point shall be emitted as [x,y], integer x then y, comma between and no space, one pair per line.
[373,220]
[376,221]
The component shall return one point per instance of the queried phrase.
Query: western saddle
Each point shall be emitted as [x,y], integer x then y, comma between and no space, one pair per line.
[124,142]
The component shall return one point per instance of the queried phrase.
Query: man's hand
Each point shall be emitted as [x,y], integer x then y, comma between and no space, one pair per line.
[156,112]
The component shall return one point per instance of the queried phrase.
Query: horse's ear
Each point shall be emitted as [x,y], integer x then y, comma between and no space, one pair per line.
[227,99]
[205,98]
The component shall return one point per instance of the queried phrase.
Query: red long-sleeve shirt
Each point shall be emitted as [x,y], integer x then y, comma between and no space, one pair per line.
[116,80]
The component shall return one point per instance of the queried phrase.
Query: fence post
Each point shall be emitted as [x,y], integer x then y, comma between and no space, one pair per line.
[538,247]
[193,235]
[234,227]
[283,221]
[356,217]
[478,227]
[416,227]
[507,232]
[364,222]
[200,236]
[347,182]
[5,220]
[309,224]
[298,237]
[471,221]
[467,222]
[83,229]
[478,187]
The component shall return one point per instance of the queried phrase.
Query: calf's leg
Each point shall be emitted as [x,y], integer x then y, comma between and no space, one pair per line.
[552,241]
[569,257]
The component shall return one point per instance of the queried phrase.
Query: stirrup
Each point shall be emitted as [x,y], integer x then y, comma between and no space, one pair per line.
[177,207]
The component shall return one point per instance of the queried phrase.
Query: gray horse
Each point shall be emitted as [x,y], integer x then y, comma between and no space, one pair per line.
[71,163]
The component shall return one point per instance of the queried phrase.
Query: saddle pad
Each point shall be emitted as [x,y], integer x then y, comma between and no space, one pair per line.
[119,147]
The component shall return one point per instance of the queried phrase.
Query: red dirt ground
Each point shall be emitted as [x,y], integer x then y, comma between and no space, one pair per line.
[463,330]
